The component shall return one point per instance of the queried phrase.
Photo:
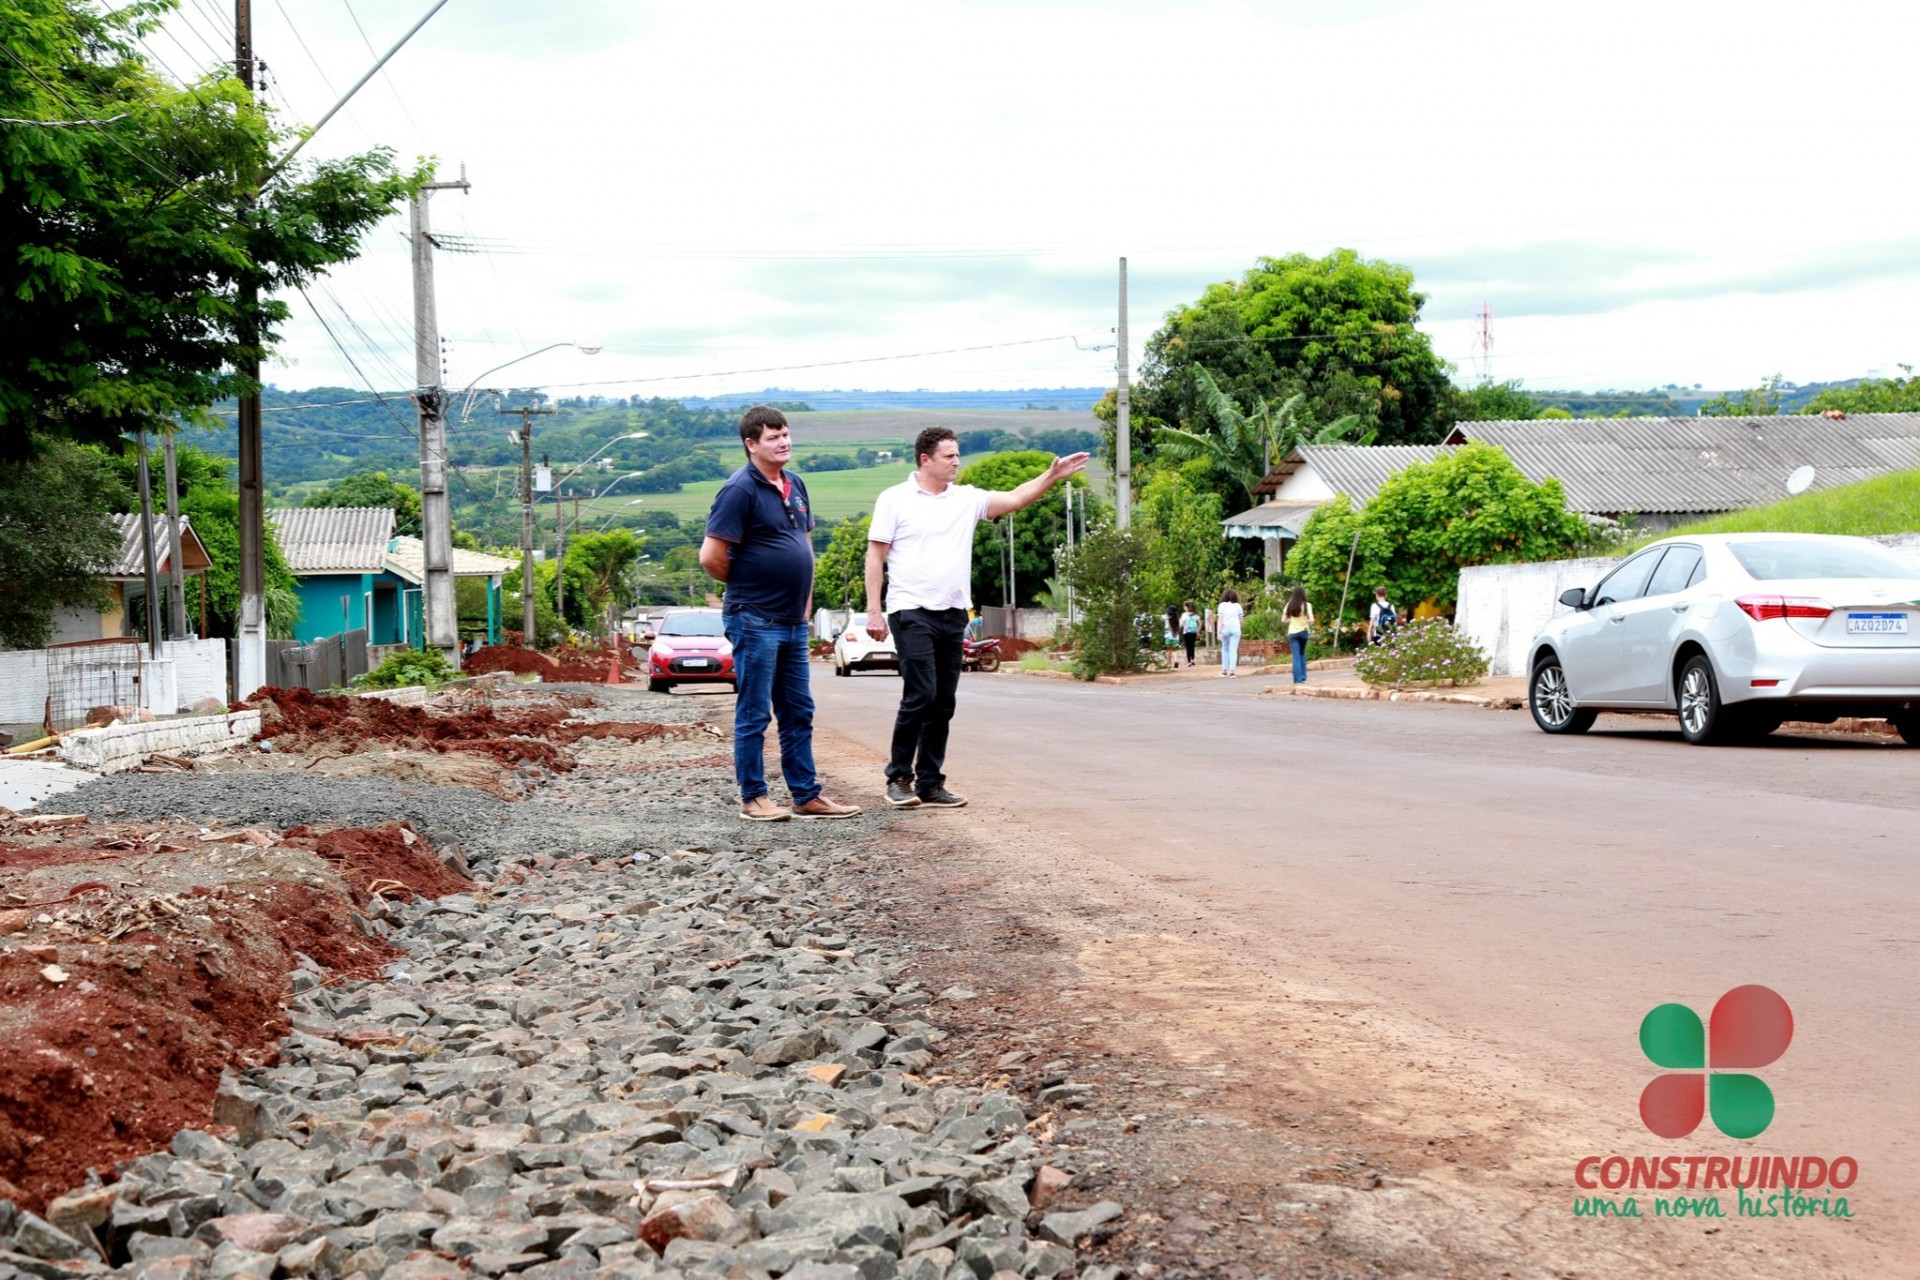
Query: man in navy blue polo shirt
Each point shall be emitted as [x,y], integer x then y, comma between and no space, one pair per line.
[759,544]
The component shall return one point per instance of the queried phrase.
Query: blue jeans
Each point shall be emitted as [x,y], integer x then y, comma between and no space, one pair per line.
[1229,650]
[770,665]
[1298,640]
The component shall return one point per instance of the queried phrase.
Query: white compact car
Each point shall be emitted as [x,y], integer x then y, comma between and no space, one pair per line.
[855,650]
[1737,633]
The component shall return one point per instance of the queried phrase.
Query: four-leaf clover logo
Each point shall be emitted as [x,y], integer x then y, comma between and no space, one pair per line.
[1751,1026]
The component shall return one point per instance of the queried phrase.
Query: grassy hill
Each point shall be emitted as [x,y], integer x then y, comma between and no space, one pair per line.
[1885,504]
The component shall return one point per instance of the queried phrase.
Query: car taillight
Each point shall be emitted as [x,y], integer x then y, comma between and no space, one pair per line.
[1761,608]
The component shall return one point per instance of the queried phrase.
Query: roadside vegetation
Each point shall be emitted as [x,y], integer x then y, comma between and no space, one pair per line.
[1884,504]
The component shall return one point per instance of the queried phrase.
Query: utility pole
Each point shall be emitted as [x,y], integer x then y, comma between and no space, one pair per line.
[436,511]
[146,546]
[526,520]
[1123,430]
[176,570]
[559,552]
[250,646]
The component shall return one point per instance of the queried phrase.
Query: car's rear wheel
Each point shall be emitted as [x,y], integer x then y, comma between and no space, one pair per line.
[658,686]
[840,669]
[1908,727]
[1704,719]
[1552,702]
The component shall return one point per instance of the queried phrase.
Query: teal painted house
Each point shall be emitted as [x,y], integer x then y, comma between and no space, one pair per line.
[353,573]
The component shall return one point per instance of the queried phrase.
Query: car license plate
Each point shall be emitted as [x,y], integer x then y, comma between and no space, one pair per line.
[1877,624]
[692,663]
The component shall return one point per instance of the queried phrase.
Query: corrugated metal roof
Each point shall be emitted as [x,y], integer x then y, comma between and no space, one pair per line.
[132,559]
[333,539]
[1269,520]
[408,559]
[1613,465]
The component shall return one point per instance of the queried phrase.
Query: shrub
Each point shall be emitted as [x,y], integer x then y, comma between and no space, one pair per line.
[415,666]
[1104,571]
[1422,650]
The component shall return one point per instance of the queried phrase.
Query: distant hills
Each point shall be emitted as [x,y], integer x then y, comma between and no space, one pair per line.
[1064,399]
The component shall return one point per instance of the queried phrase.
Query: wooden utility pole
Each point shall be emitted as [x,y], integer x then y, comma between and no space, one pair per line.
[1123,430]
[250,646]
[436,508]
[176,568]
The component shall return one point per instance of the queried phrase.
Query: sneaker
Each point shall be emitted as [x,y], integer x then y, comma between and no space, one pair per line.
[902,796]
[941,798]
[763,809]
[821,807]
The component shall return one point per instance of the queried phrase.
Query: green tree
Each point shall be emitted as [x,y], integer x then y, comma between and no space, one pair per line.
[840,574]
[608,559]
[1494,402]
[1038,531]
[1185,550]
[1470,506]
[1241,447]
[373,489]
[1339,330]
[1105,571]
[129,239]
[1871,395]
[1762,401]
[56,535]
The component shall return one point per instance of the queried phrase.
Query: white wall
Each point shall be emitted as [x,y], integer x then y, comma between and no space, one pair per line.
[1503,606]
[200,671]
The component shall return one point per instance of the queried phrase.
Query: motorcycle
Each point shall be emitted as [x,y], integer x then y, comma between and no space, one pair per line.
[980,655]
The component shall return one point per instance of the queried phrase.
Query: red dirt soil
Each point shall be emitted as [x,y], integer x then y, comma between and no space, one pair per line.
[301,717]
[584,664]
[388,860]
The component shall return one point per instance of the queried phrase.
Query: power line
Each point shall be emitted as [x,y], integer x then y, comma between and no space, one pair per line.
[62,124]
[348,356]
[391,86]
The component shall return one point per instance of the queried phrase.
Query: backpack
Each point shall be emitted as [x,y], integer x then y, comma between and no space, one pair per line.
[1386,622]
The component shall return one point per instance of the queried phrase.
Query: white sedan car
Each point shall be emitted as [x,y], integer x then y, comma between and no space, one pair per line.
[1737,633]
[855,650]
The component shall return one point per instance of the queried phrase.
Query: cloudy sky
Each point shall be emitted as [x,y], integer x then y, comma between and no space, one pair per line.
[1643,193]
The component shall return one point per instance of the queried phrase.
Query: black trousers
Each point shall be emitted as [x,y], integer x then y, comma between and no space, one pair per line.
[928,642]
[1187,638]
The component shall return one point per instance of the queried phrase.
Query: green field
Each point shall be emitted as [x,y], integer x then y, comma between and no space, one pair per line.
[837,495]
[1884,504]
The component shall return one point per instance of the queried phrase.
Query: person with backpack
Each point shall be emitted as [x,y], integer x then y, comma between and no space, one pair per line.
[1299,619]
[1189,630]
[1381,619]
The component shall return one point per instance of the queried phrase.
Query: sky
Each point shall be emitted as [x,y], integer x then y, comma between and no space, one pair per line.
[725,197]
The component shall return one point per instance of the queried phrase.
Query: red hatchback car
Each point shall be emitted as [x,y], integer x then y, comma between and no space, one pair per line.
[690,648]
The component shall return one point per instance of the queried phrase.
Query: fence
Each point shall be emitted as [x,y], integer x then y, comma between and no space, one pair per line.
[320,664]
[85,674]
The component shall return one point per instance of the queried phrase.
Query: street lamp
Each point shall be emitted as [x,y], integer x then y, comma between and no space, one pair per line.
[615,515]
[469,391]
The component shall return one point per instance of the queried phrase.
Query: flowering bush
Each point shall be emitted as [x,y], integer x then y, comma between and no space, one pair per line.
[1422,650]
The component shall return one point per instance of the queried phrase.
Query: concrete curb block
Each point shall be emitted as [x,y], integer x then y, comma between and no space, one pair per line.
[413,695]
[120,747]
[1492,702]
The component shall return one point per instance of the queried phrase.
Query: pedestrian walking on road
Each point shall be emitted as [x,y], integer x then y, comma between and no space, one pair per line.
[1230,616]
[921,542]
[1299,618]
[759,543]
[1381,619]
[1189,630]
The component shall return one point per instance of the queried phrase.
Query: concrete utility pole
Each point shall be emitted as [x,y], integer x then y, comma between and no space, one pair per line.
[176,569]
[250,646]
[1123,430]
[559,554]
[436,510]
[146,546]
[526,520]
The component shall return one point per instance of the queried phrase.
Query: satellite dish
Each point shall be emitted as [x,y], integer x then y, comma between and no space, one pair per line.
[1801,478]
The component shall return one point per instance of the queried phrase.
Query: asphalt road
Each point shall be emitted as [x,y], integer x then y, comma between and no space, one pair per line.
[1524,898]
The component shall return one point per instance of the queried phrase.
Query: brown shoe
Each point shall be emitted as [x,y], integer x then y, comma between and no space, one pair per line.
[763,809]
[821,807]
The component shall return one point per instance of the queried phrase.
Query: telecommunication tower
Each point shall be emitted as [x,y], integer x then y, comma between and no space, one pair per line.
[1483,343]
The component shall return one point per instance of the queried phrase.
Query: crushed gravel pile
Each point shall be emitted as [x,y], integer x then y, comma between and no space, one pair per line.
[678,1063]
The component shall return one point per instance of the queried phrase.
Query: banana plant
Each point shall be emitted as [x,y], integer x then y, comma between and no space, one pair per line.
[1242,445]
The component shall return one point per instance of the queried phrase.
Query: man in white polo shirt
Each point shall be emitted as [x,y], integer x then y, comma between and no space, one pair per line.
[921,538]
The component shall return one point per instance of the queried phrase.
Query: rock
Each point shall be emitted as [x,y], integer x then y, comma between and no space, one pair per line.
[1045,1260]
[1048,1184]
[798,1047]
[704,1217]
[83,1210]
[850,1218]
[38,1238]
[231,1262]
[254,1232]
[464,1237]
[319,1258]
[1065,1228]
